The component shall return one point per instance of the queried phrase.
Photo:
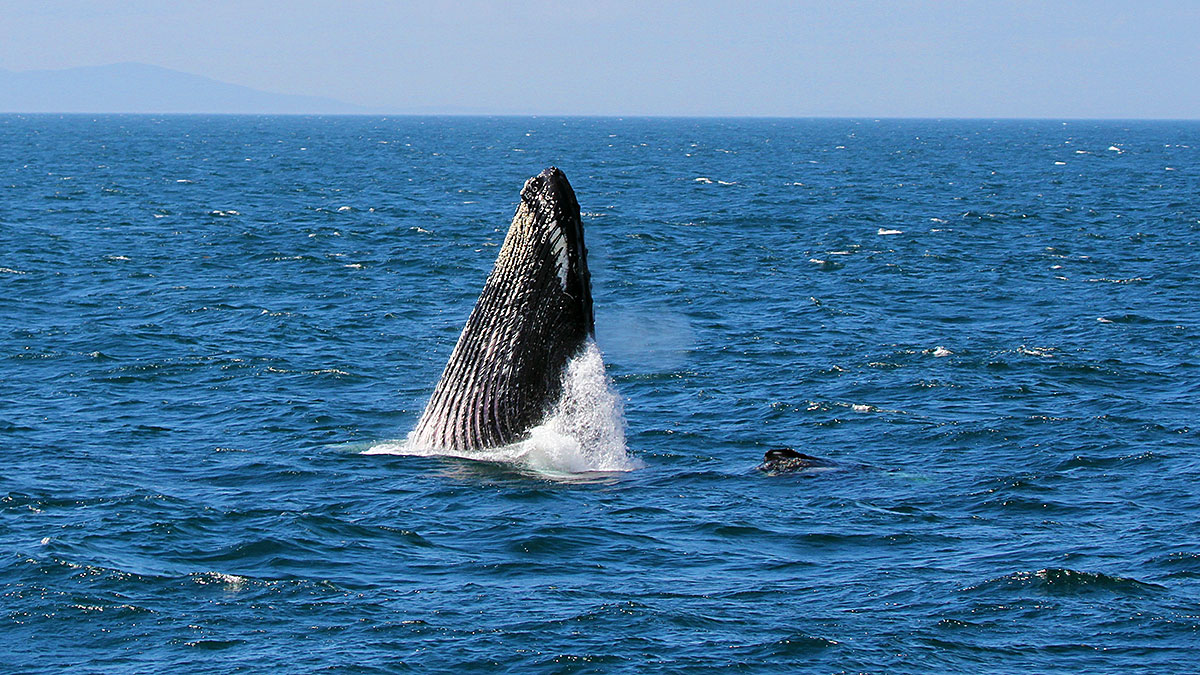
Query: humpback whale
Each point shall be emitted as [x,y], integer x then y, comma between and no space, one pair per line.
[787,460]
[533,316]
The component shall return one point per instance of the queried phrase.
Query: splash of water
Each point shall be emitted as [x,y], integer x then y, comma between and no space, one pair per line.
[584,432]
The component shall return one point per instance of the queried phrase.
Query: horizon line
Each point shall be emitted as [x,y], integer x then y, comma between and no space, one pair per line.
[873,118]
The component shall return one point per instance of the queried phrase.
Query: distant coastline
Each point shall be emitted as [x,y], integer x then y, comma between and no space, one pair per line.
[142,88]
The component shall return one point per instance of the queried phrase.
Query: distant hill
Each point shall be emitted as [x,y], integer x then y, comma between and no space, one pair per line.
[141,88]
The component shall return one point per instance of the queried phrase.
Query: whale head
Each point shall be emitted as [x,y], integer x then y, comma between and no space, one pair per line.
[785,460]
[549,215]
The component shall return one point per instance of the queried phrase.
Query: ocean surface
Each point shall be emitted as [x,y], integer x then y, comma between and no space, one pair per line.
[212,327]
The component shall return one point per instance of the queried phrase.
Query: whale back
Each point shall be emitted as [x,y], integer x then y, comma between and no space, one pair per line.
[533,316]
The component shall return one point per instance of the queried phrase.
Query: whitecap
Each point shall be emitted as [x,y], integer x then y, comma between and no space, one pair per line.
[1044,352]
[702,179]
[941,351]
[885,231]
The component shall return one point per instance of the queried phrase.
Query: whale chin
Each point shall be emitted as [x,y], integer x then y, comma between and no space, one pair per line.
[534,314]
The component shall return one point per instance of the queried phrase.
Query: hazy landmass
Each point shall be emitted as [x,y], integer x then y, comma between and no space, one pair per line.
[141,88]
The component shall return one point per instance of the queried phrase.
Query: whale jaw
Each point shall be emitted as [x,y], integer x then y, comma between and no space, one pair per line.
[533,316]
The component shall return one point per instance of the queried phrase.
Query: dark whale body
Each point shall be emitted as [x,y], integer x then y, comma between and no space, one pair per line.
[533,316]
[787,460]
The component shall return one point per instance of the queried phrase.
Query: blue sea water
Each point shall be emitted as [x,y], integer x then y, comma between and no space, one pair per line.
[993,327]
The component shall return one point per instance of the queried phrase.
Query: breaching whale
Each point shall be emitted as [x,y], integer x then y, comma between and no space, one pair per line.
[534,314]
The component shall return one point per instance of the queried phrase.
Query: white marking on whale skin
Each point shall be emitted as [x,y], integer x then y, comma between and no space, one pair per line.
[560,254]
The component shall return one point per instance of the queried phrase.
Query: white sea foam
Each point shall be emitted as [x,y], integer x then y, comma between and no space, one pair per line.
[585,432]
[1044,352]
[883,231]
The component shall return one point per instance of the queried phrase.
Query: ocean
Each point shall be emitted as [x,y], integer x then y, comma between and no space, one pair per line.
[217,331]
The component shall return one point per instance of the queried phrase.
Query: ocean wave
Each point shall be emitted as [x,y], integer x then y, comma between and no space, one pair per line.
[1064,581]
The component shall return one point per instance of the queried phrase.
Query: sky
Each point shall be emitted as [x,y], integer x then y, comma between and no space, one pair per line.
[906,58]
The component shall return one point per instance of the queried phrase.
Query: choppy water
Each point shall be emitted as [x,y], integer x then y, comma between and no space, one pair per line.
[992,326]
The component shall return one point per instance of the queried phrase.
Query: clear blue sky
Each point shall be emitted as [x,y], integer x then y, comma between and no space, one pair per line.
[1003,58]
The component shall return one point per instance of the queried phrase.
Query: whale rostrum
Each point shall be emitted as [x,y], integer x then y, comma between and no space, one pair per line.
[534,314]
